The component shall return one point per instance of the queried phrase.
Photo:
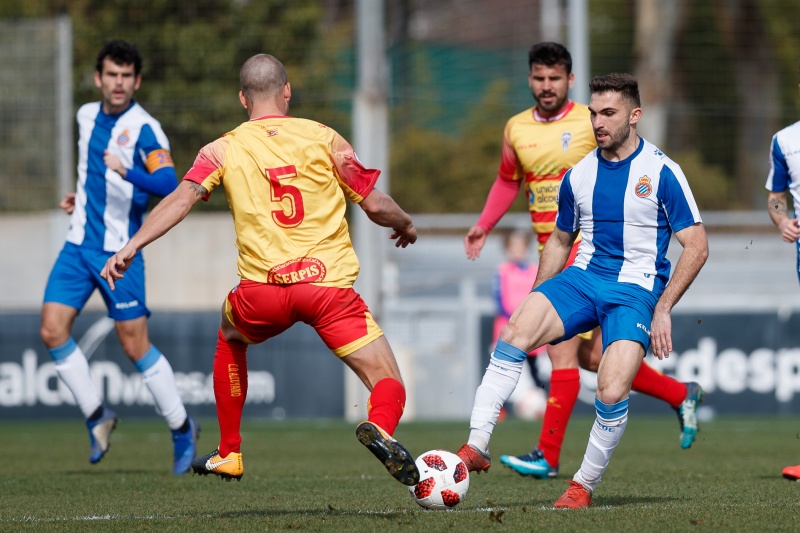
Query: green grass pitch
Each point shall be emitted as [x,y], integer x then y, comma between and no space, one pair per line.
[315,476]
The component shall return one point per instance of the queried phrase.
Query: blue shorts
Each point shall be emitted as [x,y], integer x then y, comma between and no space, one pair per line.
[76,275]
[583,301]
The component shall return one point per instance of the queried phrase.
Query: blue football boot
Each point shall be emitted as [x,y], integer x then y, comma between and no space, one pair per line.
[100,434]
[530,464]
[184,447]
[687,413]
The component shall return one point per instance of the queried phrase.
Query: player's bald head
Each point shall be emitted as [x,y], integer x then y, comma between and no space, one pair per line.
[262,76]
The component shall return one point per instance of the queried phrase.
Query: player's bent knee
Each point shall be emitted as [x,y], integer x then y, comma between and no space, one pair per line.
[612,395]
[534,324]
[53,333]
[52,337]
[56,322]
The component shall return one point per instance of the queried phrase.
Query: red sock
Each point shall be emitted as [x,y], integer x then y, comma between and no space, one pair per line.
[565,384]
[230,391]
[386,404]
[653,383]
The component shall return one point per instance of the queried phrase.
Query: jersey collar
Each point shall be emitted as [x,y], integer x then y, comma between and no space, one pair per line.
[558,116]
[116,115]
[267,116]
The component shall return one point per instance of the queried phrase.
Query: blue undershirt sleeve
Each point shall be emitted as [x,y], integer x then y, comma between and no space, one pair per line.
[160,183]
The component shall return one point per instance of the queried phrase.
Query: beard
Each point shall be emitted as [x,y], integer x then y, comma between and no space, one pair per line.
[550,108]
[615,139]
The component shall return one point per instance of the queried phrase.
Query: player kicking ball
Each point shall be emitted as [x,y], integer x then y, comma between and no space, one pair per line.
[287,181]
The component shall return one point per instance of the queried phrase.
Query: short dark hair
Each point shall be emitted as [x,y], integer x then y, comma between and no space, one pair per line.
[121,53]
[625,84]
[262,75]
[549,54]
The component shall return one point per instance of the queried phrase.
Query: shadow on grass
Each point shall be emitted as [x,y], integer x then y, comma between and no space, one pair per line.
[602,501]
[778,476]
[315,512]
[621,501]
[105,472]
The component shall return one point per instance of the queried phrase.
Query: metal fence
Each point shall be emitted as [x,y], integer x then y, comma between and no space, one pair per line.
[36,114]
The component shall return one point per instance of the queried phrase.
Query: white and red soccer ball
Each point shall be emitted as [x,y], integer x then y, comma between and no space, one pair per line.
[443,480]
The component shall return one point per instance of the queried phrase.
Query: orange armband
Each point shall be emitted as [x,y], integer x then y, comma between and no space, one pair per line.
[158,159]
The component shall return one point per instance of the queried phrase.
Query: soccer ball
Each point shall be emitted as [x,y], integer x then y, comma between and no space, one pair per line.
[443,480]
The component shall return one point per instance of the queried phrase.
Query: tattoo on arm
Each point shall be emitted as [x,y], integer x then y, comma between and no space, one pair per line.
[776,204]
[198,189]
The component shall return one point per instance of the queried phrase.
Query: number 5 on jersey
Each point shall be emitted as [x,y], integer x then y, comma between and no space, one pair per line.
[292,215]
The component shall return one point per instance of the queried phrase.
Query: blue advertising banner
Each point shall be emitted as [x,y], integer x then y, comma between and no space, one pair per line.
[748,363]
[293,375]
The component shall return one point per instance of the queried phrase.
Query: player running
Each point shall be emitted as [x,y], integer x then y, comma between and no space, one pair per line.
[123,160]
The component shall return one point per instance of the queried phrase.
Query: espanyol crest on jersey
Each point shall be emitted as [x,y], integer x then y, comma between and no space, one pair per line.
[643,188]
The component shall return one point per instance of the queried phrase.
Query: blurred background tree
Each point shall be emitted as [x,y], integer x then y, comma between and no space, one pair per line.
[728,79]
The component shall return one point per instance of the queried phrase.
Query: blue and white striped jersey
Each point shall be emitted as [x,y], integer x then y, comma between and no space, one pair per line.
[784,164]
[108,208]
[626,211]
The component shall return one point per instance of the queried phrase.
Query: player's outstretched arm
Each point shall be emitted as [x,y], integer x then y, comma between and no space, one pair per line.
[778,212]
[693,257]
[167,214]
[384,211]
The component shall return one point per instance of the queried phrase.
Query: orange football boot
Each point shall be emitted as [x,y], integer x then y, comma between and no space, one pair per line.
[576,497]
[476,460]
[792,472]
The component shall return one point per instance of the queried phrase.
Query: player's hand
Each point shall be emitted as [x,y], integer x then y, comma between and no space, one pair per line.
[404,236]
[790,231]
[68,203]
[661,333]
[113,162]
[474,241]
[117,264]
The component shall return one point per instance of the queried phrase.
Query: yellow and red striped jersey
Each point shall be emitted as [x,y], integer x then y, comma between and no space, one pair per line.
[286,181]
[539,151]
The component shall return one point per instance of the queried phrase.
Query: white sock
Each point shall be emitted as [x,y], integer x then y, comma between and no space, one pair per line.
[72,368]
[603,439]
[499,381]
[160,380]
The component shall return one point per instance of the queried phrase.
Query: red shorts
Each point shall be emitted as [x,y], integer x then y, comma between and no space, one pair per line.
[340,317]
